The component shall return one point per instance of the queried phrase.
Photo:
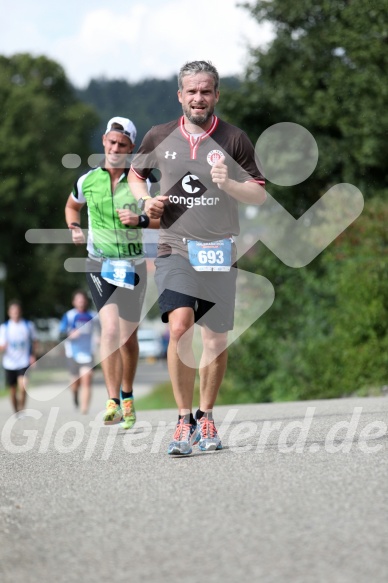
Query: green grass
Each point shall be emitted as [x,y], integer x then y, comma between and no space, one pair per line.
[161,398]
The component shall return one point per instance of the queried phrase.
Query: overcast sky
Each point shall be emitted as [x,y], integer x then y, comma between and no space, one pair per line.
[130,39]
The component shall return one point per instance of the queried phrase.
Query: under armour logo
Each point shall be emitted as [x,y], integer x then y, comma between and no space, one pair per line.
[168,155]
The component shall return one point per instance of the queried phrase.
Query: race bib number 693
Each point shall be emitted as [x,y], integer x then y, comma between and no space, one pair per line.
[210,256]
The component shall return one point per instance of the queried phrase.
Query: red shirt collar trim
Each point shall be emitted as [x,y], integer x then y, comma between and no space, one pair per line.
[205,135]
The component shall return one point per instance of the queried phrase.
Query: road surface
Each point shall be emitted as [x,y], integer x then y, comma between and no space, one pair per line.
[298,494]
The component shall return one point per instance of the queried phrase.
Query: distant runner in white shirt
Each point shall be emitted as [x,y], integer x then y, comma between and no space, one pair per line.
[18,341]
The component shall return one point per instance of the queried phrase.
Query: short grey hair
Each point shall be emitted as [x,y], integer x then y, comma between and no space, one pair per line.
[194,67]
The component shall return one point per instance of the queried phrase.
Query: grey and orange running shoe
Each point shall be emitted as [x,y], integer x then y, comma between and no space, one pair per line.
[208,438]
[184,437]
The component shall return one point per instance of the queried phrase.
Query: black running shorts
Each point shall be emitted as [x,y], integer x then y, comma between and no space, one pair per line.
[11,376]
[210,294]
[129,301]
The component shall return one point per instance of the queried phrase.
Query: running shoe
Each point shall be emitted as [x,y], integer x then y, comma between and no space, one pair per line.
[75,396]
[129,413]
[208,439]
[113,413]
[184,437]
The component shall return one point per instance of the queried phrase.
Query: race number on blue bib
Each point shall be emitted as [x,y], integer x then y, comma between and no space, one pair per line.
[119,272]
[210,256]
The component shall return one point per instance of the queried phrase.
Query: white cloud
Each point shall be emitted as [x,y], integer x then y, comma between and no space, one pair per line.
[140,39]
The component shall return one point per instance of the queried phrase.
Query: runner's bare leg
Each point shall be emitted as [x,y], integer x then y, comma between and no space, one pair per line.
[129,349]
[182,376]
[22,393]
[212,366]
[14,399]
[111,361]
[86,378]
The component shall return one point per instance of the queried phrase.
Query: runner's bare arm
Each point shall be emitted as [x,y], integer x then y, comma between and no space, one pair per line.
[153,207]
[73,220]
[137,185]
[248,192]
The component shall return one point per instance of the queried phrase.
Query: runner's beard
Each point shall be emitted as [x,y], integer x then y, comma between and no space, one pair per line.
[198,119]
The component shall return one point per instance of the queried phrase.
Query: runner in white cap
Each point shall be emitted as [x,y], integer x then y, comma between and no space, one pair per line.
[116,267]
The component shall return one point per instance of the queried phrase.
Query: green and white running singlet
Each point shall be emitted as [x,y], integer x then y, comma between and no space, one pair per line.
[107,236]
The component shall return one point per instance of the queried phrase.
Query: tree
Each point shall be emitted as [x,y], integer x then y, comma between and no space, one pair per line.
[325,69]
[355,352]
[326,334]
[147,103]
[41,120]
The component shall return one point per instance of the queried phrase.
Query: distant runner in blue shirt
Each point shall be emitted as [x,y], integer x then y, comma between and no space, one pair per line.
[79,325]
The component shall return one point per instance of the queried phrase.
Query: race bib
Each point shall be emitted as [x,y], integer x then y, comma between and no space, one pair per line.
[210,256]
[119,272]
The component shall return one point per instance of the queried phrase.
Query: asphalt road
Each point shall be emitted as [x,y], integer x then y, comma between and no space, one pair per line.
[298,494]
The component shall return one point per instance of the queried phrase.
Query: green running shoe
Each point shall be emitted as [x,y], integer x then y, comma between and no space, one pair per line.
[113,413]
[129,413]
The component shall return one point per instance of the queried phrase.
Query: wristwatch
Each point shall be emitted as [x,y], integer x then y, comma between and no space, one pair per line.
[141,202]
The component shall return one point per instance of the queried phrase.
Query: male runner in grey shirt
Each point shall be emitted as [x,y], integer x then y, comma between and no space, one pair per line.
[207,166]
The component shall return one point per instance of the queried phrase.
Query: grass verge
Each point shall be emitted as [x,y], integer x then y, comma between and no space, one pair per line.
[161,398]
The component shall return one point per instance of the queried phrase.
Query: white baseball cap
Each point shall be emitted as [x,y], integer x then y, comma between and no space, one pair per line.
[128,130]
